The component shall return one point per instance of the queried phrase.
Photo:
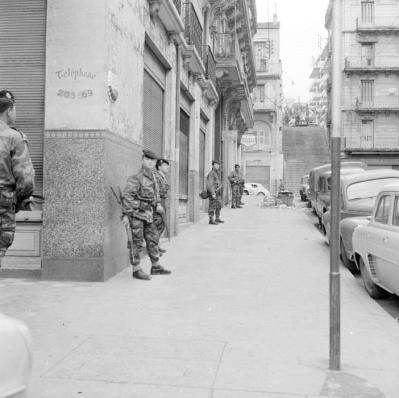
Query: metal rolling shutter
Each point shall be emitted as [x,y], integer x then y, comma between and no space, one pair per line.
[259,174]
[183,152]
[153,115]
[22,69]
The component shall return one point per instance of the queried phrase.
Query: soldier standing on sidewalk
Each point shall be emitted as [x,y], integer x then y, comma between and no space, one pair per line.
[235,182]
[161,172]
[214,186]
[16,171]
[140,200]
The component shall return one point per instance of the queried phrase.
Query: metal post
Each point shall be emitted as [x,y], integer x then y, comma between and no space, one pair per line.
[335,304]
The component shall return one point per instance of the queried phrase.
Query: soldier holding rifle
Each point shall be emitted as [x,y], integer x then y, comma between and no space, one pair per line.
[140,199]
[235,179]
[214,187]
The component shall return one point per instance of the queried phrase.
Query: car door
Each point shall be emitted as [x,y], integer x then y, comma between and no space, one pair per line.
[376,238]
[388,263]
[322,196]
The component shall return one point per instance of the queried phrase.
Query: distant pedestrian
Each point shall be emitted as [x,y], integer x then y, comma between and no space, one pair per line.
[235,183]
[214,186]
[16,171]
[242,186]
[281,186]
[140,200]
[161,173]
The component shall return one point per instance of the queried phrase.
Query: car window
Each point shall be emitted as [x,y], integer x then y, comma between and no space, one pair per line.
[368,189]
[395,219]
[383,208]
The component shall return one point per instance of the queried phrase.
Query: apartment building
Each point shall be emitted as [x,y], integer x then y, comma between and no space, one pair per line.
[262,157]
[370,65]
[98,81]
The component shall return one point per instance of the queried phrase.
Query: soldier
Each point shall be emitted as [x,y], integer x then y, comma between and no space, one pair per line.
[16,171]
[235,182]
[161,172]
[140,200]
[214,186]
[242,185]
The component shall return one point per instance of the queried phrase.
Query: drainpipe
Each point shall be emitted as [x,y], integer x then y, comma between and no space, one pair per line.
[177,133]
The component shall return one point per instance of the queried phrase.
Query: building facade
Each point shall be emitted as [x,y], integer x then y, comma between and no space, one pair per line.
[98,81]
[262,157]
[370,102]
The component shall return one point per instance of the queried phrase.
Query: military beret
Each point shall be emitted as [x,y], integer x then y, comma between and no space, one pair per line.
[215,161]
[149,154]
[236,165]
[7,96]
[160,162]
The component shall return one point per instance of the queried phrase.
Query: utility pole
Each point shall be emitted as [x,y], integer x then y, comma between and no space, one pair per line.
[335,293]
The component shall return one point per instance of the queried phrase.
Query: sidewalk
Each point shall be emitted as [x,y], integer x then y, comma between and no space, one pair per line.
[244,315]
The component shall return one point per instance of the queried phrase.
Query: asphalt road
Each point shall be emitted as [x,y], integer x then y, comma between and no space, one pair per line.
[391,304]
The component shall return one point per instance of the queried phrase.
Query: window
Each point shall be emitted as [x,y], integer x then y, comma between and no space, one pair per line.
[367,11]
[395,218]
[383,208]
[262,55]
[367,134]
[260,93]
[367,55]
[367,91]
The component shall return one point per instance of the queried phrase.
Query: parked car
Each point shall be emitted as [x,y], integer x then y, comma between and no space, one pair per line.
[254,188]
[376,245]
[358,193]
[316,172]
[323,197]
[15,356]
[304,188]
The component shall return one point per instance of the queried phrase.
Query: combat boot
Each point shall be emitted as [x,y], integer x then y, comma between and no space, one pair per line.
[212,222]
[159,270]
[233,207]
[140,274]
[219,221]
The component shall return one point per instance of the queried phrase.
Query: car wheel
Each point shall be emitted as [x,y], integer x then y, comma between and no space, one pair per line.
[260,194]
[246,193]
[351,265]
[372,289]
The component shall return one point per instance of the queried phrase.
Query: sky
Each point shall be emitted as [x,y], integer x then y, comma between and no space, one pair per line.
[301,24]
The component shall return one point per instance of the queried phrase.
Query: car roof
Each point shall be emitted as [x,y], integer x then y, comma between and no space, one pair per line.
[394,187]
[369,175]
[344,172]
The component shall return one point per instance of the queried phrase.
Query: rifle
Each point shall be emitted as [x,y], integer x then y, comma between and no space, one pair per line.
[127,227]
[163,216]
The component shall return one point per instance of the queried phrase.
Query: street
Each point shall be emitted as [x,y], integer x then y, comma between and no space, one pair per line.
[244,314]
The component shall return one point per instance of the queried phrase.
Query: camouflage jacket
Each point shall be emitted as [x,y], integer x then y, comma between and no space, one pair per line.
[214,184]
[16,169]
[235,178]
[163,185]
[141,195]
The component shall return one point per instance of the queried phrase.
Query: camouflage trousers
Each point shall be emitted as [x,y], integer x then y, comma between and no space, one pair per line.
[159,223]
[235,195]
[7,229]
[215,205]
[143,231]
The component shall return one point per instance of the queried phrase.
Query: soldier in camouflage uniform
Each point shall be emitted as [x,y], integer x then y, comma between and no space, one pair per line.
[16,171]
[235,182]
[214,187]
[140,200]
[161,171]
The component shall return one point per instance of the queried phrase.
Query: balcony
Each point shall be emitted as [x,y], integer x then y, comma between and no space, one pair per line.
[192,48]
[356,142]
[210,64]
[387,103]
[169,14]
[378,24]
[192,27]
[372,64]
[268,69]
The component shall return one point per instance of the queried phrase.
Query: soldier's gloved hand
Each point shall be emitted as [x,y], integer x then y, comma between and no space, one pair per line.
[125,220]
[159,209]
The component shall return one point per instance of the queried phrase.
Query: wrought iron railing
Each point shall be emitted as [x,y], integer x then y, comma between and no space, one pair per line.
[210,64]
[224,45]
[177,4]
[378,22]
[378,102]
[383,61]
[192,27]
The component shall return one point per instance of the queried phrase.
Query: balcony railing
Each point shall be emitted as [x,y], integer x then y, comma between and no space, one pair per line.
[379,102]
[210,64]
[177,4]
[378,23]
[267,67]
[224,45]
[192,27]
[372,62]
